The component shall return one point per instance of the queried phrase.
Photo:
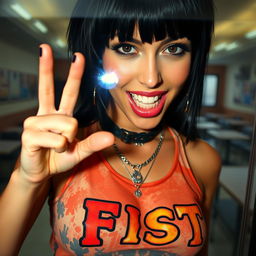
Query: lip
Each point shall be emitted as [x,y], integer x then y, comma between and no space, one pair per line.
[147,113]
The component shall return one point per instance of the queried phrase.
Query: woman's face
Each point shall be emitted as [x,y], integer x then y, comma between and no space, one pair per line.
[149,77]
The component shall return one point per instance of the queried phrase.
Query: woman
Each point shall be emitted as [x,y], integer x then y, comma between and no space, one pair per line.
[134,179]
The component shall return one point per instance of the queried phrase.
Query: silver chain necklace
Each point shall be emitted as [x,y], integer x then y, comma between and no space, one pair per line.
[136,175]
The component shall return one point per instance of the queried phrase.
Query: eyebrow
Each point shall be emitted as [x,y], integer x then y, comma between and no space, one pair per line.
[167,40]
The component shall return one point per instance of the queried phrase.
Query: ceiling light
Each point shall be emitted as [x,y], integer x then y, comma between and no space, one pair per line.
[251,34]
[60,43]
[40,26]
[21,11]
[220,47]
[232,46]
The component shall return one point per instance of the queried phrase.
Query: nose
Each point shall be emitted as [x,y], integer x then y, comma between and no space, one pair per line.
[149,73]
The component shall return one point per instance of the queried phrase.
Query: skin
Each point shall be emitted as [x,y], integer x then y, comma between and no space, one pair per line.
[145,67]
[150,67]
[51,145]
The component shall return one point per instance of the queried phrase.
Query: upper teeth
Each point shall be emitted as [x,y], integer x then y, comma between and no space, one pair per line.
[145,99]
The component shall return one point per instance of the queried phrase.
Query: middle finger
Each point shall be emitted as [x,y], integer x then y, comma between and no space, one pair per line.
[71,89]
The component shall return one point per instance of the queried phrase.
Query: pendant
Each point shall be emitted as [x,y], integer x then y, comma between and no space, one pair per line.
[137,177]
[138,193]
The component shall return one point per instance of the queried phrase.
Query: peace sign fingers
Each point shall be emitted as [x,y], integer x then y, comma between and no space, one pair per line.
[71,89]
[46,81]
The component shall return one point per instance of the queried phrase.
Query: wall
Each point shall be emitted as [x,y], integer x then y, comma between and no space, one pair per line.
[225,104]
[14,112]
[13,58]
[17,59]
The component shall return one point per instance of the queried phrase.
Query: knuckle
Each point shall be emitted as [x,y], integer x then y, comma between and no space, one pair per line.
[26,137]
[23,136]
[28,122]
[61,142]
[72,125]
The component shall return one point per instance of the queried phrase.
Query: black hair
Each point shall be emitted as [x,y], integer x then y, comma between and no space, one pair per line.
[95,22]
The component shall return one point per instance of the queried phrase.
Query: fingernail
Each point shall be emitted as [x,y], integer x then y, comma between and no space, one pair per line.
[40,51]
[74,58]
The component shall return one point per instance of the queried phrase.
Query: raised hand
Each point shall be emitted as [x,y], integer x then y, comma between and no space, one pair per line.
[49,143]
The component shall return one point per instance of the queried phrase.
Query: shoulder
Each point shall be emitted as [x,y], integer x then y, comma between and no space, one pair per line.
[205,162]
[203,156]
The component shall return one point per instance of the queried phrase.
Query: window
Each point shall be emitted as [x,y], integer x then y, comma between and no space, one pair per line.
[210,90]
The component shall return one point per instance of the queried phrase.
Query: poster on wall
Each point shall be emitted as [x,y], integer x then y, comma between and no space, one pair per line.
[245,85]
[15,85]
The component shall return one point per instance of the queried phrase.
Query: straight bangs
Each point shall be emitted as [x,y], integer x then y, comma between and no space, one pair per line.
[102,20]
[95,22]
[150,29]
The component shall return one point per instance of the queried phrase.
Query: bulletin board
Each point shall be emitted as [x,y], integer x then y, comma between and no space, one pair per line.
[245,85]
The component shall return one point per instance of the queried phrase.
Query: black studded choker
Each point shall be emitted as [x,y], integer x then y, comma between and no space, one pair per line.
[126,136]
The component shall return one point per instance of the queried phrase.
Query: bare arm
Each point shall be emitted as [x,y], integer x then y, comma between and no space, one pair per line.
[49,147]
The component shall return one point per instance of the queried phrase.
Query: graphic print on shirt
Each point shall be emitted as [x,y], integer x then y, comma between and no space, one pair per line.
[104,218]
[159,222]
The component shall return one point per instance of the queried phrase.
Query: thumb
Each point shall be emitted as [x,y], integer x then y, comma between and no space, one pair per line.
[95,142]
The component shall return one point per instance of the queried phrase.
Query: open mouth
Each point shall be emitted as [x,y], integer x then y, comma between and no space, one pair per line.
[147,104]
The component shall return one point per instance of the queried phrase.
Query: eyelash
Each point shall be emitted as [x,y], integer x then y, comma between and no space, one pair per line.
[183,48]
[118,46]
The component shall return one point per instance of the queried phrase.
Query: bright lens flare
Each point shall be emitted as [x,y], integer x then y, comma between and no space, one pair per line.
[108,80]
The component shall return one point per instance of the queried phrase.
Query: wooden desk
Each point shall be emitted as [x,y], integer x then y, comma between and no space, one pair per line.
[236,123]
[226,135]
[206,125]
[9,146]
[215,116]
[202,119]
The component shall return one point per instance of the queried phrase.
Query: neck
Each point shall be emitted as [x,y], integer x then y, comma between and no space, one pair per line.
[126,136]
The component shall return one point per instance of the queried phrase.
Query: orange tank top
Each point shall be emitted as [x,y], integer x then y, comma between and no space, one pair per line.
[97,212]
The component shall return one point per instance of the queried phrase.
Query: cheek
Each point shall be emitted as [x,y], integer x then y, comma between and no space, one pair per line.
[124,70]
[177,73]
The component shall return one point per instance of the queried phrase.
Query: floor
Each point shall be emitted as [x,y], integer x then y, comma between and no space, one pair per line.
[222,239]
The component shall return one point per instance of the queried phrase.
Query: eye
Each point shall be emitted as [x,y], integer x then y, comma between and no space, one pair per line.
[176,49]
[124,49]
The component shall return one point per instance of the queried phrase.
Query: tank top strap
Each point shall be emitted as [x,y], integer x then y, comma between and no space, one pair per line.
[181,148]
[185,166]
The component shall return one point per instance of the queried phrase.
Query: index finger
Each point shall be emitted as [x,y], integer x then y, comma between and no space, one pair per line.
[71,90]
[46,81]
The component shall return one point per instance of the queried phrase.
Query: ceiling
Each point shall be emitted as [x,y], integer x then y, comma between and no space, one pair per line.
[234,18]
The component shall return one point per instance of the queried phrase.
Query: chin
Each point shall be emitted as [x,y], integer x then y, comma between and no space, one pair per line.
[146,124]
